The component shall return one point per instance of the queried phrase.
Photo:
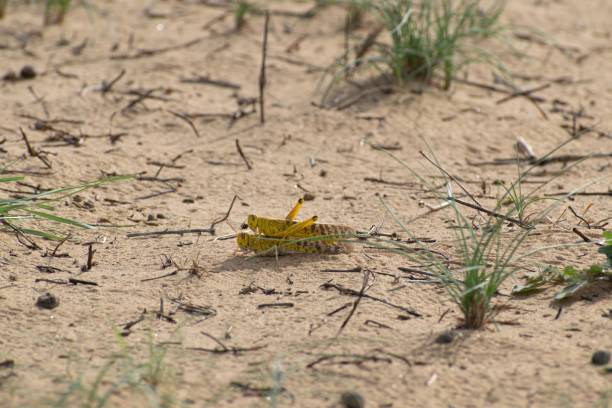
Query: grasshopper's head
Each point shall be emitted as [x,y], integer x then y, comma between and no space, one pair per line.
[251,223]
[243,240]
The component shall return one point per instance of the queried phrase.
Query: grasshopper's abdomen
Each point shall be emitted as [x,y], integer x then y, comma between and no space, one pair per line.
[329,229]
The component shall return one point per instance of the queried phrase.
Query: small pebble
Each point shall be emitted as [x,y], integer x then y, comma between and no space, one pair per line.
[352,399]
[7,363]
[309,197]
[27,72]
[40,125]
[600,357]
[323,173]
[10,76]
[47,301]
[445,338]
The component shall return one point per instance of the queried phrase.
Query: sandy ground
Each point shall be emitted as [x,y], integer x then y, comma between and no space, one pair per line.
[526,357]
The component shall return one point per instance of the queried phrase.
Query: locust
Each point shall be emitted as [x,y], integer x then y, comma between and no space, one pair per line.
[271,236]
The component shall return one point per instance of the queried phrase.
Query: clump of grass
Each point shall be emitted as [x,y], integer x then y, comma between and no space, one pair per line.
[520,201]
[488,254]
[355,9]
[428,39]
[486,261]
[278,377]
[3,4]
[606,249]
[55,11]
[434,36]
[573,280]
[148,378]
[15,212]
[241,10]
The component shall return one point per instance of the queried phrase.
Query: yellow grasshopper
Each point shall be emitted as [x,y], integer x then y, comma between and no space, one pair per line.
[277,236]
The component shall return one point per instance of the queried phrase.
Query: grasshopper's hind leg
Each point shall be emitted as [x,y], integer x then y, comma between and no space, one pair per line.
[295,210]
[300,226]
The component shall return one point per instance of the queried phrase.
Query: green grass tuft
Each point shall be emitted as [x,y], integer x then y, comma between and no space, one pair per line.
[488,252]
[355,9]
[150,379]
[3,4]
[435,36]
[55,11]
[241,10]
[573,280]
[428,39]
[15,212]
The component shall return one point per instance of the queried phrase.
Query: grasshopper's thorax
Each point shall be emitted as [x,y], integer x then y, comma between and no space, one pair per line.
[252,222]
[267,226]
[243,240]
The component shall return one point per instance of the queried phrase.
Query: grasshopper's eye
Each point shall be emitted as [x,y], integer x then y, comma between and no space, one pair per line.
[244,226]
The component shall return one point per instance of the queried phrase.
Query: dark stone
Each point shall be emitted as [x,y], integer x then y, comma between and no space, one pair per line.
[352,399]
[600,357]
[309,197]
[445,338]
[7,364]
[47,301]
[27,72]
